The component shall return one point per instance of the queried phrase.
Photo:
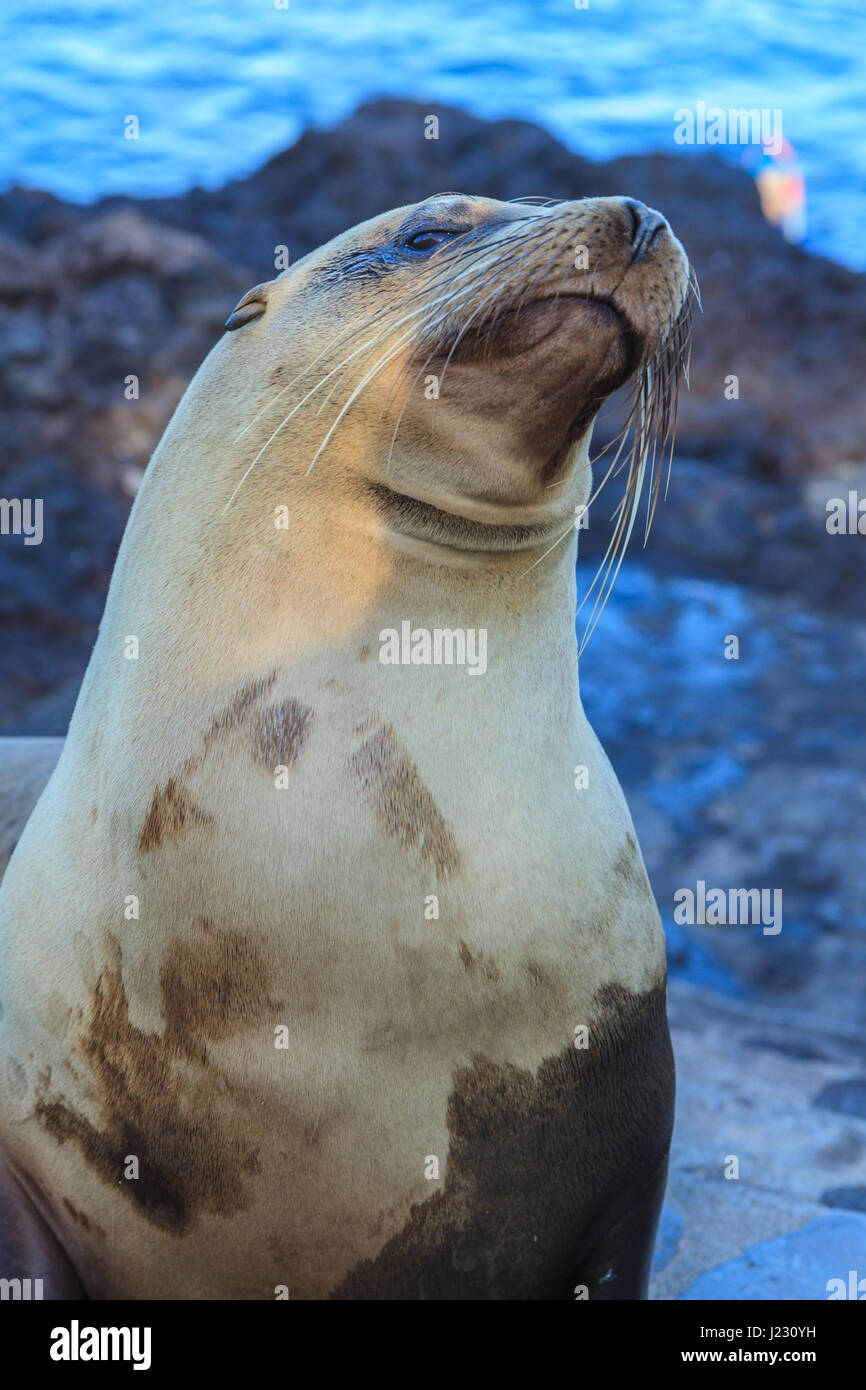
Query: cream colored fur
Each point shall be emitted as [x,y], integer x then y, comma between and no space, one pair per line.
[379,1004]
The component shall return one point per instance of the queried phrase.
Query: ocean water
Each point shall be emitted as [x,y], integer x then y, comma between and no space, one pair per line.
[220,85]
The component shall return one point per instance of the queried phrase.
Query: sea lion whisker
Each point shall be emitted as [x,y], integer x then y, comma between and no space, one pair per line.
[285,421]
[427,329]
[364,347]
[620,542]
[571,525]
[465,328]
[458,255]
[536,200]
[539,275]
[447,301]
[496,293]
[349,333]
[408,393]
[427,360]
[513,304]
[529,247]
[548,551]
[653,416]
[383,361]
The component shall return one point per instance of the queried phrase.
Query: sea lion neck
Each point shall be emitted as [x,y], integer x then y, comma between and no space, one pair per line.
[256,593]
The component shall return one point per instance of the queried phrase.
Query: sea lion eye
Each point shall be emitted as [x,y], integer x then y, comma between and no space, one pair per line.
[430,238]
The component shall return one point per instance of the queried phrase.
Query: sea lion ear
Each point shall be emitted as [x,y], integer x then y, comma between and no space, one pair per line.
[251,306]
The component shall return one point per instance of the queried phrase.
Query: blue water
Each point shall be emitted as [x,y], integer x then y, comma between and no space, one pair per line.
[220,85]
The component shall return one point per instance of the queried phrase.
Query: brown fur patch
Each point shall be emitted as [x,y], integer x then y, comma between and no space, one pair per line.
[279,733]
[171,812]
[627,865]
[541,1165]
[402,804]
[83,1219]
[156,1094]
[279,730]
[212,988]
[236,713]
[488,968]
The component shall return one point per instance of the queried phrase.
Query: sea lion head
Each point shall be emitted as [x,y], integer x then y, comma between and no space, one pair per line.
[446,360]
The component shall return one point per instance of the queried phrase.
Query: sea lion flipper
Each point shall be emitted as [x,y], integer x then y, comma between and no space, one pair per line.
[619,1265]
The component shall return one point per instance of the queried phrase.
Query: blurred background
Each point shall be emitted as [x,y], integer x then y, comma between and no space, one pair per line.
[258,125]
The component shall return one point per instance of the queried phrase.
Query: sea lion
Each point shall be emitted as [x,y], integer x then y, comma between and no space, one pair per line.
[330,967]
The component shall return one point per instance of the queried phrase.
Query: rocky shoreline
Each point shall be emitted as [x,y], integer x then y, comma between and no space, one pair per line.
[145,283]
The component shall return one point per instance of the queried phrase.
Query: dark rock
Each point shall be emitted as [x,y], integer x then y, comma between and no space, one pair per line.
[52,595]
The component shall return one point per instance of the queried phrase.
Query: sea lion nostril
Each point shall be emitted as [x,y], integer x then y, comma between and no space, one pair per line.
[635,210]
[647,225]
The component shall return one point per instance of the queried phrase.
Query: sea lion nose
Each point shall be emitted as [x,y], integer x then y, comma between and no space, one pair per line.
[647,226]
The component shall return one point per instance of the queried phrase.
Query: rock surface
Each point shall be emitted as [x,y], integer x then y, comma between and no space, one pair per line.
[752,1082]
